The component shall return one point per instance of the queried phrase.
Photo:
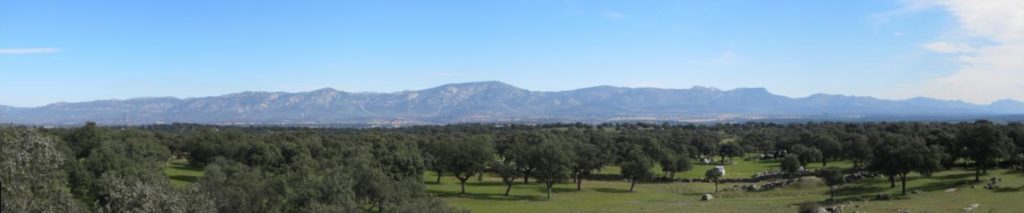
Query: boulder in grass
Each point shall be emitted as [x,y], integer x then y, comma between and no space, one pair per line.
[706,197]
[971,208]
[883,197]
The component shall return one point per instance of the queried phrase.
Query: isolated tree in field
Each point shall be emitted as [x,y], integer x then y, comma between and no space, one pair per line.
[587,158]
[1017,135]
[857,150]
[522,149]
[730,150]
[706,144]
[790,164]
[673,163]
[833,177]
[806,154]
[713,175]
[433,153]
[508,174]
[899,155]
[553,163]
[468,157]
[985,145]
[828,146]
[636,167]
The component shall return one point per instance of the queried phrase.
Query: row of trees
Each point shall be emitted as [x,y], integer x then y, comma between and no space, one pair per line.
[276,169]
[550,153]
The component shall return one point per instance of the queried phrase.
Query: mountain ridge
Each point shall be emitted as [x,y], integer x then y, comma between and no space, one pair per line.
[488,101]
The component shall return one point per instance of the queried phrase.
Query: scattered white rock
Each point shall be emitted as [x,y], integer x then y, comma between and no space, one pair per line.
[951,189]
[707,197]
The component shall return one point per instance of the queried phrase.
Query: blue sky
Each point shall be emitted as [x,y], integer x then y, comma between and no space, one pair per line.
[54,51]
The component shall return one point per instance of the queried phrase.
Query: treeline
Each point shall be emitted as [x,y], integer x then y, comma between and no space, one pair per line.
[245,170]
[269,169]
[555,153]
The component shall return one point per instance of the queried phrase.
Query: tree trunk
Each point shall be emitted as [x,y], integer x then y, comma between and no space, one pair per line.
[526,177]
[631,185]
[549,183]
[722,162]
[903,179]
[832,193]
[438,177]
[824,162]
[716,186]
[578,183]
[463,184]
[507,189]
[977,173]
[892,181]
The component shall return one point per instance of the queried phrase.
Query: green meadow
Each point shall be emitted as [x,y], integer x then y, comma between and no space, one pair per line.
[614,196]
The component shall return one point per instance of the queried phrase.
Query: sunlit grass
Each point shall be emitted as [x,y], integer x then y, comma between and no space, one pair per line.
[181,173]
[613,196]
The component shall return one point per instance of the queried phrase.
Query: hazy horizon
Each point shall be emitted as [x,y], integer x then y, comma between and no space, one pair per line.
[769,90]
[68,51]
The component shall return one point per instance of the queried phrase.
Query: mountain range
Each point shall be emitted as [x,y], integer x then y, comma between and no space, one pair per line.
[494,101]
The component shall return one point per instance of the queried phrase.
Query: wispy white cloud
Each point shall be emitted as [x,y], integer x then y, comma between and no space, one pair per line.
[988,70]
[25,51]
[908,7]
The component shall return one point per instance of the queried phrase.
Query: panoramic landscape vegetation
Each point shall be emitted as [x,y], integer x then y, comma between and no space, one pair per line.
[512,106]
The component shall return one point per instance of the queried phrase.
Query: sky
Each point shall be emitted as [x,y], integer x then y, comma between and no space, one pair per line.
[53,51]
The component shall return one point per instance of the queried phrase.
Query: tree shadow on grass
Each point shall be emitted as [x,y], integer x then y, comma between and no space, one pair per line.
[1007,189]
[840,200]
[611,190]
[937,186]
[489,197]
[475,183]
[186,178]
[956,176]
[857,190]
[544,189]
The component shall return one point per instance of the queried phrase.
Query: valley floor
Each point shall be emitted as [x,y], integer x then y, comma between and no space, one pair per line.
[613,196]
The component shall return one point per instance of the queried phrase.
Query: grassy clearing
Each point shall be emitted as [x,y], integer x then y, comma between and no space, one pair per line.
[613,196]
[741,169]
[180,173]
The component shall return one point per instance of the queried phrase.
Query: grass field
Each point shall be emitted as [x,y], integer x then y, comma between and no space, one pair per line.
[741,169]
[180,173]
[613,196]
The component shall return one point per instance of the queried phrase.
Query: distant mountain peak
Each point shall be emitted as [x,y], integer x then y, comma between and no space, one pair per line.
[1007,101]
[703,88]
[752,90]
[325,89]
[480,84]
